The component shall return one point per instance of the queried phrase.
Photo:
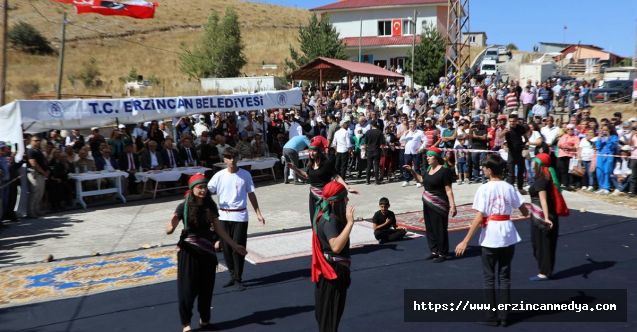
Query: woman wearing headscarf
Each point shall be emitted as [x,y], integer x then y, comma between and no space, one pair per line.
[438,203]
[330,269]
[547,204]
[320,171]
[196,258]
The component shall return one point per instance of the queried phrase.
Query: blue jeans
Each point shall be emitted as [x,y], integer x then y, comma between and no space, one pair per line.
[588,175]
[477,158]
[621,186]
[530,175]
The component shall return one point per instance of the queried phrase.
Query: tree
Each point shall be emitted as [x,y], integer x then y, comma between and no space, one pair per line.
[512,47]
[429,57]
[26,38]
[88,74]
[318,38]
[219,53]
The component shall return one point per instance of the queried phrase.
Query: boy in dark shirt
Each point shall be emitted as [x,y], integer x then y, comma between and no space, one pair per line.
[384,221]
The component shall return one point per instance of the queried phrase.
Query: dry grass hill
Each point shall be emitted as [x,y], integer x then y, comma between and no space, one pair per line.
[151,46]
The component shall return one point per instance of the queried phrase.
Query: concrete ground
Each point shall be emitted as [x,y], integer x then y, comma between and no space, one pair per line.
[141,224]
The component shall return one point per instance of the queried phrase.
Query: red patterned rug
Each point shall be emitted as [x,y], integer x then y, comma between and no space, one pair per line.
[414,220]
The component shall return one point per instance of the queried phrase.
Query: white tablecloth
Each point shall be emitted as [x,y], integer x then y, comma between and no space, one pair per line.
[96,175]
[255,164]
[167,175]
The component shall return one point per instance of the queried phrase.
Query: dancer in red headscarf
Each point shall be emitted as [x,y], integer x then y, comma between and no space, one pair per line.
[547,204]
[330,255]
[196,259]
[320,171]
[438,203]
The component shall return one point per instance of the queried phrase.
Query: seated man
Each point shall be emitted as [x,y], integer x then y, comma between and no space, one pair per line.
[151,159]
[384,221]
[105,161]
[83,163]
[622,173]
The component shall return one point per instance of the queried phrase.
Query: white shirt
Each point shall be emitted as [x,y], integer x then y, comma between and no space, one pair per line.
[498,198]
[622,167]
[200,127]
[107,165]
[550,134]
[153,159]
[413,140]
[534,137]
[232,193]
[295,129]
[587,150]
[341,141]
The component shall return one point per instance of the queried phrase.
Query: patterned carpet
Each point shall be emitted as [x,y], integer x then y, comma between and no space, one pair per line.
[414,220]
[79,277]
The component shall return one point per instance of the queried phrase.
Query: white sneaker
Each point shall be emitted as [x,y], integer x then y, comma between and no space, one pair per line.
[405,183]
[617,192]
[418,185]
[604,192]
[590,188]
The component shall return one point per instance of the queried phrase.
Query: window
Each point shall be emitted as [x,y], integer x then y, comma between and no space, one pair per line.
[408,27]
[472,39]
[384,28]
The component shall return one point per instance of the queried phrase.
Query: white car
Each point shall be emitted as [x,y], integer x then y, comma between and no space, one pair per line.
[488,67]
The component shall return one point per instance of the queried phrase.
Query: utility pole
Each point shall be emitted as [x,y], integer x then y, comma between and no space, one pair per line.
[5,45]
[635,57]
[360,42]
[413,49]
[58,92]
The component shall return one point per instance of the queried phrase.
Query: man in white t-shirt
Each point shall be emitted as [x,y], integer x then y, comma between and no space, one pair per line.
[234,187]
[494,203]
[549,131]
[414,141]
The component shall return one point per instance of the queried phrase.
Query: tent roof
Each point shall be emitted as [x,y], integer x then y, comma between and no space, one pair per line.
[335,69]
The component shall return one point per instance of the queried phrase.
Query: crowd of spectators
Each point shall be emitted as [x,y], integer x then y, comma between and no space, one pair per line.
[516,120]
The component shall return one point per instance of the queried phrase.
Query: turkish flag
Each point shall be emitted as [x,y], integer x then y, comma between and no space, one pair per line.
[132,8]
[396,27]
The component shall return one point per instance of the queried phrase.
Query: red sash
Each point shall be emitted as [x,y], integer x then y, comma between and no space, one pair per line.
[320,266]
[495,217]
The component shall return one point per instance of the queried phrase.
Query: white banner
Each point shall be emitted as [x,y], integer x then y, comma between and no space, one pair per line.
[42,115]
[10,130]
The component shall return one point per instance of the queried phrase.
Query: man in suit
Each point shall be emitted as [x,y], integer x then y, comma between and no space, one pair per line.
[130,163]
[188,153]
[105,161]
[374,139]
[170,155]
[151,158]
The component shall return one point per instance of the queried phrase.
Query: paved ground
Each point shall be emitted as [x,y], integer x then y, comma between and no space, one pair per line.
[116,228]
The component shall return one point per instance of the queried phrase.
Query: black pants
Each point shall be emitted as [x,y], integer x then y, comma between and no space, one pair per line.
[312,204]
[132,184]
[496,264]
[544,246]
[436,224]
[11,191]
[511,167]
[195,279]
[238,231]
[341,163]
[633,179]
[329,298]
[562,168]
[373,160]
[389,235]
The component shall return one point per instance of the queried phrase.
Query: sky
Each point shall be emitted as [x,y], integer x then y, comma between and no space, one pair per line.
[610,24]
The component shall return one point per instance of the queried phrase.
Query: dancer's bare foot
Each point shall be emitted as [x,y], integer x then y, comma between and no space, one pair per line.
[187,328]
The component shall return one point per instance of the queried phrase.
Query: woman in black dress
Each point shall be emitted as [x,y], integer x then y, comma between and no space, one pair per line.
[196,259]
[320,171]
[544,218]
[330,255]
[438,202]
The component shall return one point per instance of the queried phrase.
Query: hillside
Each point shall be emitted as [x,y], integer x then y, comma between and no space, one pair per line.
[151,46]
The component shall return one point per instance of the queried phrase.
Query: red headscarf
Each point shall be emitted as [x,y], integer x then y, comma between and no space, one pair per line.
[544,160]
[319,143]
[332,192]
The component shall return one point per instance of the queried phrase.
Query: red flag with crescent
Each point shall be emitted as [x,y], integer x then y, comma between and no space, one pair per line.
[396,28]
[133,8]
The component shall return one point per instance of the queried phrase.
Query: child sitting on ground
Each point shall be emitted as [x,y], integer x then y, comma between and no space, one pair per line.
[384,221]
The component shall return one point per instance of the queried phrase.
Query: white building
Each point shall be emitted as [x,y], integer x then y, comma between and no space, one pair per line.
[475,39]
[383,29]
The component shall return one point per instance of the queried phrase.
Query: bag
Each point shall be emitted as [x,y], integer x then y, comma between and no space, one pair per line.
[575,168]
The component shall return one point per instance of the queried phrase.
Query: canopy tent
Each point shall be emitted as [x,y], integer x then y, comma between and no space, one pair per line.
[326,69]
[41,115]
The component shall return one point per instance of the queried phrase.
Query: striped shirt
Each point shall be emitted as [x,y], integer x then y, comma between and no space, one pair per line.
[511,100]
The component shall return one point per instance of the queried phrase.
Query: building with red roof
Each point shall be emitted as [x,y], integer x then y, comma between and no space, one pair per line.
[383,30]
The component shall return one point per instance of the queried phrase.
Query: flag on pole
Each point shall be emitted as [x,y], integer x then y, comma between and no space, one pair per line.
[396,28]
[132,8]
